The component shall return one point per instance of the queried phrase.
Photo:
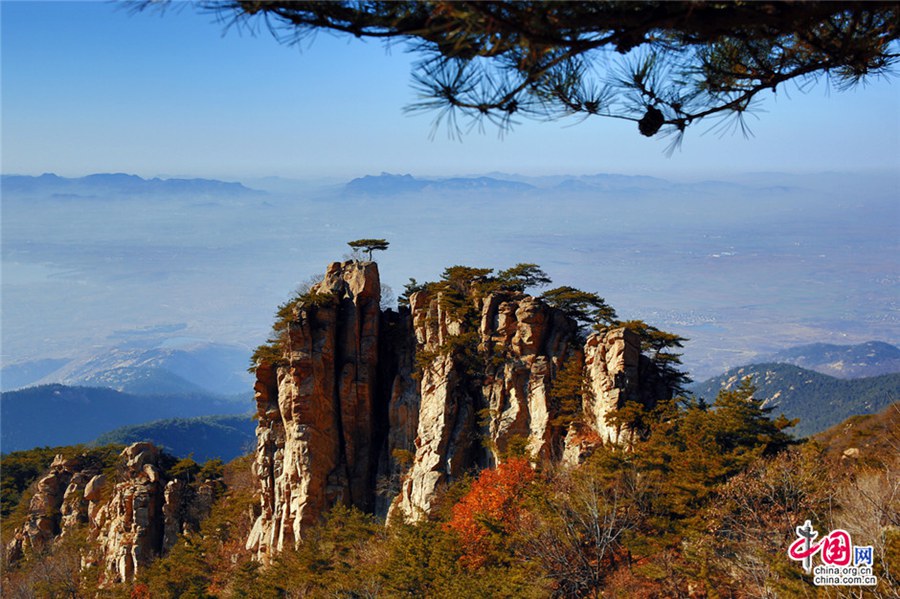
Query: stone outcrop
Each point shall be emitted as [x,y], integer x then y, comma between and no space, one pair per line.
[365,407]
[380,410]
[368,408]
[56,501]
[145,512]
[130,518]
[612,369]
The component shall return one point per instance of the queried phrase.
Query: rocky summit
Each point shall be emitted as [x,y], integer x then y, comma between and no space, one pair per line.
[380,409]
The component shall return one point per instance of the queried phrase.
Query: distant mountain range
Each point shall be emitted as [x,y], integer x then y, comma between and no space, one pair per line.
[391,184]
[135,367]
[843,361]
[203,438]
[146,378]
[50,415]
[388,184]
[107,184]
[818,400]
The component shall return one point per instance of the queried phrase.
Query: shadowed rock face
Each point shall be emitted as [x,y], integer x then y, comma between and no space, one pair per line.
[129,521]
[372,409]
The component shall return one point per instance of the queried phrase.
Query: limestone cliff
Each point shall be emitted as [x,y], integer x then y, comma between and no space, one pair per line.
[316,438]
[130,516]
[381,410]
[522,343]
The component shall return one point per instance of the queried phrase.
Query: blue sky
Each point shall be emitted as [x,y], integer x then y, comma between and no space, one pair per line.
[90,87]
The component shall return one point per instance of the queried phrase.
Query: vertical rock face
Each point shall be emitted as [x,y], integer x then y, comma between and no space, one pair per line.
[529,341]
[130,524]
[400,413]
[523,343]
[316,410]
[382,410]
[130,520]
[612,371]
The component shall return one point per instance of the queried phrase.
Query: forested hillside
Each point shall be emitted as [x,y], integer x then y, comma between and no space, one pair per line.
[62,415]
[819,401]
[647,523]
[202,438]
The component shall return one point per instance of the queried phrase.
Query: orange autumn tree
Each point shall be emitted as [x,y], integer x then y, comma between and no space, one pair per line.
[491,511]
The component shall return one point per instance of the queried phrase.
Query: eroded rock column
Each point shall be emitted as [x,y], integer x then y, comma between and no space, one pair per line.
[316,424]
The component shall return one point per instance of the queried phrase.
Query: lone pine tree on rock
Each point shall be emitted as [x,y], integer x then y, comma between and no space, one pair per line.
[369,245]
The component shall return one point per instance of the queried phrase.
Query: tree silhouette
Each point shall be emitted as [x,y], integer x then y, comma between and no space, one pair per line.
[584,307]
[522,276]
[658,346]
[662,65]
[369,245]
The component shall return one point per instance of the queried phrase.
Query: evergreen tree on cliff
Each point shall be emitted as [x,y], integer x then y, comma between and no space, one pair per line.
[369,246]
[662,65]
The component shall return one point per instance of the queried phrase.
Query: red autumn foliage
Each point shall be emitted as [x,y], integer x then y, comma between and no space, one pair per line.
[490,511]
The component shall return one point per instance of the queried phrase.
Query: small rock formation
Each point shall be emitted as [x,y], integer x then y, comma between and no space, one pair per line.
[53,494]
[130,524]
[850,452]
[130,521]
[380,410]
[615,370]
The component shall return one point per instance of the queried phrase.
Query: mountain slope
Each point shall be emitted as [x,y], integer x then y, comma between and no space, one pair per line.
[818,400]
[843,361]
[205,437]
[147,380]
[158,369]
[16,376]
[874,436]
[62,415]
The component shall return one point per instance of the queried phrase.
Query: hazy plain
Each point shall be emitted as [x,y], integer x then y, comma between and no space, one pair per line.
[742,267]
